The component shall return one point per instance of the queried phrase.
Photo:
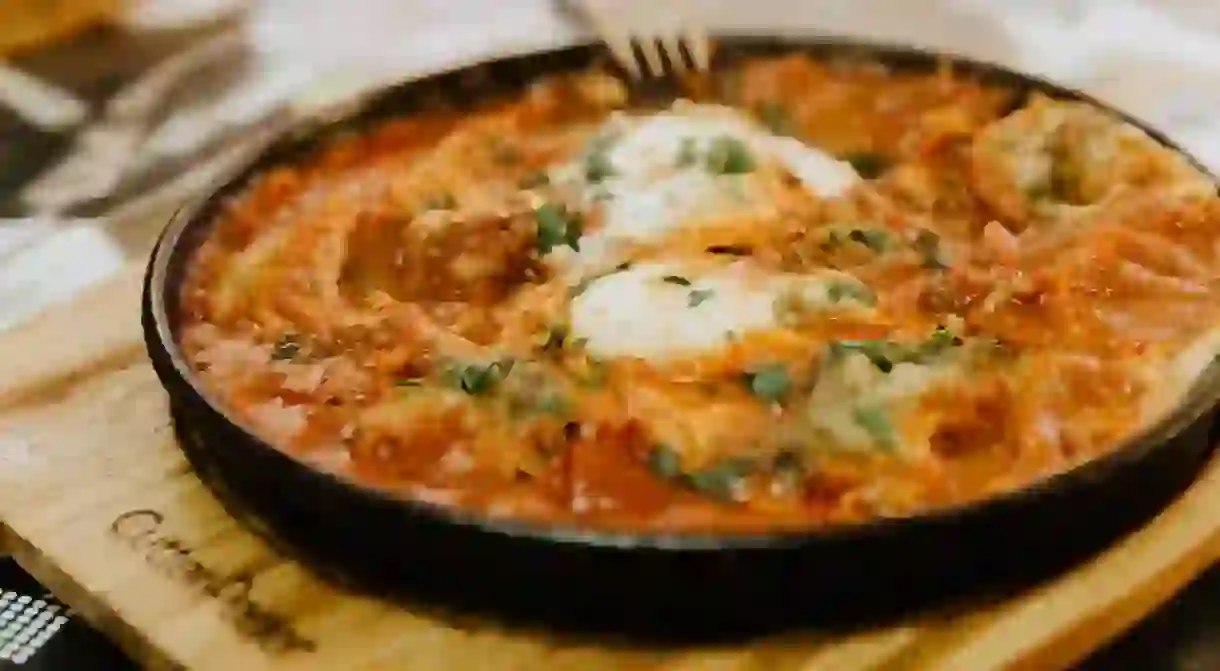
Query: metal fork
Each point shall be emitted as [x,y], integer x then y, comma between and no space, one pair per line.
[643,41]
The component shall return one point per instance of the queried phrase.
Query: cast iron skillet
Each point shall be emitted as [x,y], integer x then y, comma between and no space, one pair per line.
[657,585]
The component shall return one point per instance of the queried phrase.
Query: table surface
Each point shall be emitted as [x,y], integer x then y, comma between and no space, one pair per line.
[47,253]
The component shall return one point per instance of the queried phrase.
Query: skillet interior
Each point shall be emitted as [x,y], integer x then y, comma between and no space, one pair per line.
[655,584]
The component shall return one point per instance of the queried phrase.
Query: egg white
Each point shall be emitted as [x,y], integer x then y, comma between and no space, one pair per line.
[650,195]
[638,312]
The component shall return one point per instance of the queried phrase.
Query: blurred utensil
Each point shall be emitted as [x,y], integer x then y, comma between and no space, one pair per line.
[40,102]
[646,38]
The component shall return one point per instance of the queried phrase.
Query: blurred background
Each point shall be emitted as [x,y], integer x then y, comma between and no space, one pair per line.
[112,112]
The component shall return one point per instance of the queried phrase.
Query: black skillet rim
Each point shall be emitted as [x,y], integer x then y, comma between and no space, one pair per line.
[305,134]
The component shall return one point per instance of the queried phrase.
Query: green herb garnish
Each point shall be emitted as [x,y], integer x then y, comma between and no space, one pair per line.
[478,378]
[554,338]
[287,348]
[698,296]
[675,279]
[580,287]
[843,290]
[940,340]
[556,227]
[664,461]
[879,352]
[885,354]
[868,165]
[875,239]
[728,156]
[687,152]
[720,481]
[927,243]
[410,382]
[598,166]
[876,423]
[769,382]
[551,403]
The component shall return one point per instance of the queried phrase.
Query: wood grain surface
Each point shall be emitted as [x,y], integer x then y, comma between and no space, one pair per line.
[98,504]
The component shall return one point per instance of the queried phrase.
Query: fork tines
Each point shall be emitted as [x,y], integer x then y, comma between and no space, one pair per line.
[647,40]
[655,55]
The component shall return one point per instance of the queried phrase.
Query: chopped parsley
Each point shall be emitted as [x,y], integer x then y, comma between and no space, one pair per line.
[727,155]
[832,241]
[875,239]
[580,287]
[410,382]
[664,461]
[927,243]
[557,227]
[675,279]
[551,402]
[884,354]
[479,378]
[842,290]
[287,348]
[769,382]
[720,480]
[598,166]
[554,338]
[940,340]
[867,164]
[698,296]
[688,153]
[874,420]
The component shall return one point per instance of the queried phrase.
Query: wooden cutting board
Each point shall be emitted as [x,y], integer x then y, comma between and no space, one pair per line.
[99,505]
